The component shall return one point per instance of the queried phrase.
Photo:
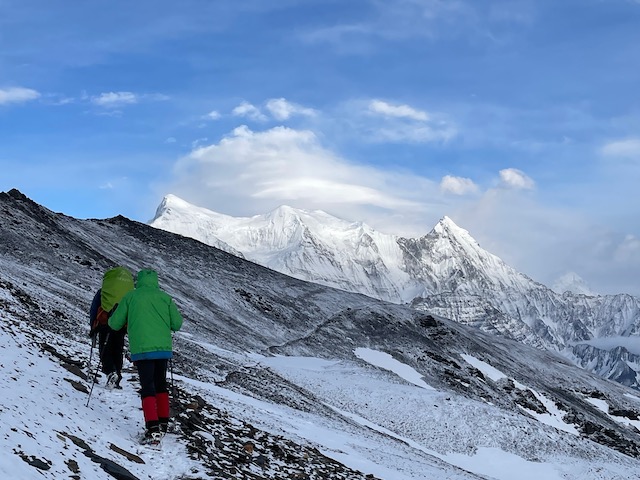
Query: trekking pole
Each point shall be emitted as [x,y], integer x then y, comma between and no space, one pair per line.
[95,377]
[93,344]
[173,385]
[173,400]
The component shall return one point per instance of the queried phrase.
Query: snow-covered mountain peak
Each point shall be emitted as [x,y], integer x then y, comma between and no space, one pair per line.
[573,283]
[446,222]
[172,201]
[285,211]
[316,220]
[452,250]
[285,218]
[175,209]
[179,216]
[447,228]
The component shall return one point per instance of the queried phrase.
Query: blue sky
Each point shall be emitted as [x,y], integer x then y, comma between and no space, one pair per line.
[520,120]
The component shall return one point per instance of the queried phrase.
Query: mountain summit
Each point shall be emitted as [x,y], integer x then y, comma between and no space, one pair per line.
[445,272]
[571,282]
[317,247]
[309,245]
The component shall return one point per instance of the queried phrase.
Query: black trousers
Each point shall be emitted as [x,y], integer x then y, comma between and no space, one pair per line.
[111,348]
[153,376]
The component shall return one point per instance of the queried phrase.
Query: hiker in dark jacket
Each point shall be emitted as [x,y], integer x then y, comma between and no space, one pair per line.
[93,311]
[110,344]
[151,316]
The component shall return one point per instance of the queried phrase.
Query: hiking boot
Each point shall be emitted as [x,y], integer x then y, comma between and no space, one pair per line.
[152,436]
[153,439]
[117,385]
[112,381]
[164,425]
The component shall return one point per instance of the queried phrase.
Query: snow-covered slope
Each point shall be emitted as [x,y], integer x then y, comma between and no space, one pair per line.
[445,272]
[280,378]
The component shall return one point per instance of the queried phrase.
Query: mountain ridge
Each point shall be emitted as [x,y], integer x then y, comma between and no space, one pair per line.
[444,271]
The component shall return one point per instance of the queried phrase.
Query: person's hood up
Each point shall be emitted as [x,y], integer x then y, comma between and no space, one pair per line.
[147,278]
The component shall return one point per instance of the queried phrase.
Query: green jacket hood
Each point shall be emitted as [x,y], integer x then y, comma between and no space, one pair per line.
[147,278]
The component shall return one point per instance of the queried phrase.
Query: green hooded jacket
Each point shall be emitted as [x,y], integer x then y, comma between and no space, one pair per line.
[150,315]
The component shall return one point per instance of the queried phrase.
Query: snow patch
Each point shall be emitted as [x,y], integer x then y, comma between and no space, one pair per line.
[386,361]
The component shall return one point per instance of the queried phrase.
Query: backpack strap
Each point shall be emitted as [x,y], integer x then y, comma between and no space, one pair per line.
[102,319]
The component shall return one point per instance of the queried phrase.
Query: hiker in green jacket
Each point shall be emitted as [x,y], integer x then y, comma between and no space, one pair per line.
[150,315]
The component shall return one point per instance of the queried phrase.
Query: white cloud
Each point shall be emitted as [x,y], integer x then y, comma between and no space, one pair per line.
[419,19]
[281,109]
[413,133]
[170,140]
[372,121]
[114,99]
[400,19]
[17,95]
[628,250]
[248,110]
[109,113]
[623,148]
[609,343]
[380,121]
[64,101]
[458,185]
[253,172]
[57,99]
[213,115]
[398,111]
[515,179]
